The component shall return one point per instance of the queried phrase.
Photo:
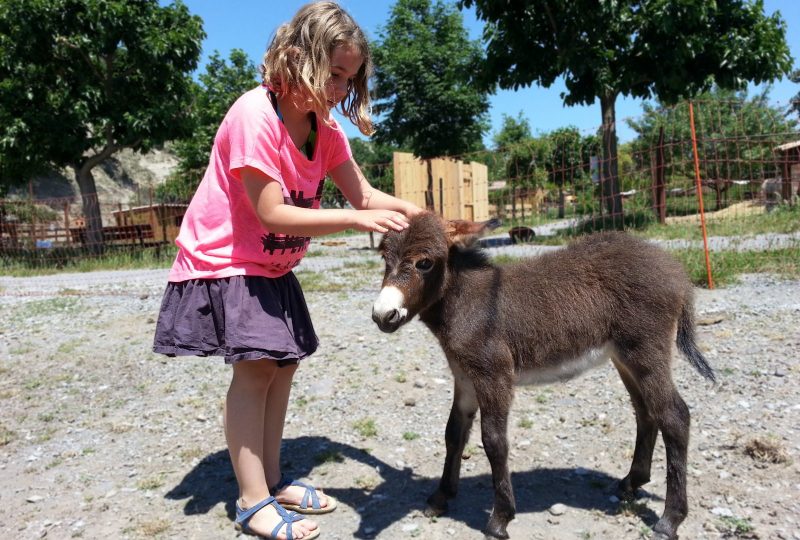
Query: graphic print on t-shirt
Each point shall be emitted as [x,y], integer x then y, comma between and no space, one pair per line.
[293,244]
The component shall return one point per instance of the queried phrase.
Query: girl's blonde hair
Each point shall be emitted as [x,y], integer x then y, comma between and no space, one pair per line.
[298,58]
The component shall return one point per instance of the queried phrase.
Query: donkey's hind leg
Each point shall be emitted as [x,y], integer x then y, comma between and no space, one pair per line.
[671,416]
[646,434]
[462,414]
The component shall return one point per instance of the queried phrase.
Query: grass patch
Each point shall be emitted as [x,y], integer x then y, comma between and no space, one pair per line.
[154,528]
[469,451]
[632,508]
[36,308]
[366,427]
[42,262]
[190,454]
[6,435]
[767,450]
[318,282]
[736,526]
[726,266]
[367,483]
[147,484]
[329,456]
[525,423]
[410,436]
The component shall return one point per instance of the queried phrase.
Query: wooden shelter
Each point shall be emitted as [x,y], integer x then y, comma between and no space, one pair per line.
[163,219]
[789,156]
[453,189]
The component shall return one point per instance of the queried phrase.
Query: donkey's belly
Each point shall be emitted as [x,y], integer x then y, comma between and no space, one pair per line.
[568,368]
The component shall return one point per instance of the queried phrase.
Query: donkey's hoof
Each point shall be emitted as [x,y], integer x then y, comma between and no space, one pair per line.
[664,531]
[627,491]
[431,511]
[437,505]
[493,532]
[662,536]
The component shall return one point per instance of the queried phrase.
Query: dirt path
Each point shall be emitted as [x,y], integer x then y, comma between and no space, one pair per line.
[100,438]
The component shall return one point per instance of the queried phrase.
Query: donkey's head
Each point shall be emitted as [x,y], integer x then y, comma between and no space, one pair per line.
[417,266]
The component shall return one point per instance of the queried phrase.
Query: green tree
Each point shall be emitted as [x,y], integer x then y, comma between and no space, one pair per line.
[218,88]
[736,137]
[82,79]
[795,104]
[672,49]
[514,143]
[423,89]
[565,165]
[375,161]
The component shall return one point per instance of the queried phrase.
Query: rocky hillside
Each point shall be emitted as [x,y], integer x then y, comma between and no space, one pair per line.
[124,178]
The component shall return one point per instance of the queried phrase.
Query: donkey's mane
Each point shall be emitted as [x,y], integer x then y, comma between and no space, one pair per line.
[471,257]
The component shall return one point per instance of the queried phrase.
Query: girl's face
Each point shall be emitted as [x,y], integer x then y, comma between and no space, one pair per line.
[345,63]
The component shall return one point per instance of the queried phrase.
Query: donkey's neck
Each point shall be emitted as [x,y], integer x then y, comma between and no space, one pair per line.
[462,265]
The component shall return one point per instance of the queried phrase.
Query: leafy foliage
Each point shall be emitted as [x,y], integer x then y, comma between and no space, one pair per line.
[423,81]
[375,161]
[672,49]
[730,127]
[220,85]
[795,104]
[82,79]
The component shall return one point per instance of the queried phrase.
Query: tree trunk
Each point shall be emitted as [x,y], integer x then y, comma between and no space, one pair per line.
[91,204]
[91,209]
[429,205]
[561,202]
[609,179]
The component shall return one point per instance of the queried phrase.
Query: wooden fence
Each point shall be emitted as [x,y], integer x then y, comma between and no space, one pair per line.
[453,189]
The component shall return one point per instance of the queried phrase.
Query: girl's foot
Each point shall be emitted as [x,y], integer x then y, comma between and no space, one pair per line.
[265,520]
[291,496]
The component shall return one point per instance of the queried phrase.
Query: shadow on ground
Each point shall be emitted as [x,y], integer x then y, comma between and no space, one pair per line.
[401,491]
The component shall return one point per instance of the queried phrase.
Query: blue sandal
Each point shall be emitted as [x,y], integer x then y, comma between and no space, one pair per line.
[311,493]
[243,519]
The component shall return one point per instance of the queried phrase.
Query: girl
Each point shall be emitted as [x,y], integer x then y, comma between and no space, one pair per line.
[231,291]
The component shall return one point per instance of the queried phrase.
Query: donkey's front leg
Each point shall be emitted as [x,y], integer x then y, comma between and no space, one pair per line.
[456,435]
[495,403]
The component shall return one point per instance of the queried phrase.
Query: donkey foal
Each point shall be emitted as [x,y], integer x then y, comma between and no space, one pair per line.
[607,296]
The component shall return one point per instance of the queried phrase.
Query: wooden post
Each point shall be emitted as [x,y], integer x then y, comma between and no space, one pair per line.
[699,185]
[429,192]
[659,181]
[66,221]
[786,174]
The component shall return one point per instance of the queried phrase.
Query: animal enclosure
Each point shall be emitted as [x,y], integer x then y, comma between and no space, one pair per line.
[453,189]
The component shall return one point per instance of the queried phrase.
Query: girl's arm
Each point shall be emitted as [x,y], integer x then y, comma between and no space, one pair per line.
[266,196]
[358,191]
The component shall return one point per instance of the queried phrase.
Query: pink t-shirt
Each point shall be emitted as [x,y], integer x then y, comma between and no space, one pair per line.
[221,235]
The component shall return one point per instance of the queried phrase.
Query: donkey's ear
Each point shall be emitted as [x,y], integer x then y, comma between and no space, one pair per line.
[463,233]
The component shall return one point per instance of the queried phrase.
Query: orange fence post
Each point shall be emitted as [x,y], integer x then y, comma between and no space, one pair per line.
[700,195]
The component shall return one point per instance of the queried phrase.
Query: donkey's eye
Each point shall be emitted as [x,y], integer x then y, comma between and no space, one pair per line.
[424,265]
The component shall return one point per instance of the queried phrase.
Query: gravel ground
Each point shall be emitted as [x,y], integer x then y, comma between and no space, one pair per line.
[100,438]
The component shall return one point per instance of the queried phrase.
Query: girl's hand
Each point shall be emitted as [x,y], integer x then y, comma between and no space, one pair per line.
[379,221]
[411,210]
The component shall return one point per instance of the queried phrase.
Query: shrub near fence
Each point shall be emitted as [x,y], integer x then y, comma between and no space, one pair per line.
[46,233]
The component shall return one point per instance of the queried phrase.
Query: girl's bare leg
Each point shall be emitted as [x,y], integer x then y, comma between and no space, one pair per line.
[244,418]
[274,418]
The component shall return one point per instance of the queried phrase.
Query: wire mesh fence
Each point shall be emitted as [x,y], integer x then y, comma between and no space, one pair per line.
[736,160]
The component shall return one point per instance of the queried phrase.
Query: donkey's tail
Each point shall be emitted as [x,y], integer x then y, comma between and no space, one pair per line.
[687,345]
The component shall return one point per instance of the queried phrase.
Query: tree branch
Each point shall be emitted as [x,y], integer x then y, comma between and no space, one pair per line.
[552,26]
[64,41]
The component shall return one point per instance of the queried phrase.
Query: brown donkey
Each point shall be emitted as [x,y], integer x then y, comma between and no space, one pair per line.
[548,318]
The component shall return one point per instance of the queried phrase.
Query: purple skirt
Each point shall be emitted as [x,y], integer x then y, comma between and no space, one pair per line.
[239,318]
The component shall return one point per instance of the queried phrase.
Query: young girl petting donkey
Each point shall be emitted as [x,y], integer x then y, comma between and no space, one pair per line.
[231,290]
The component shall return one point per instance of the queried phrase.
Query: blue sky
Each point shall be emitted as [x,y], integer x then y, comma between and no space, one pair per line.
[249,25]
